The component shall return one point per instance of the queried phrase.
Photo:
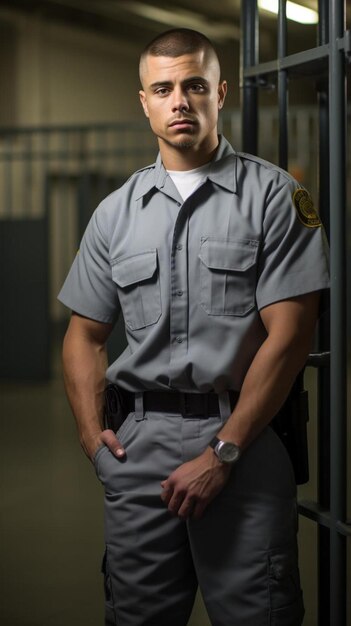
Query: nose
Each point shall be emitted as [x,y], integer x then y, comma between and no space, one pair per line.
[180,101]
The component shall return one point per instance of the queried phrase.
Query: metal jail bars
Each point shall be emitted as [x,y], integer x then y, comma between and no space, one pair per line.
[326,64]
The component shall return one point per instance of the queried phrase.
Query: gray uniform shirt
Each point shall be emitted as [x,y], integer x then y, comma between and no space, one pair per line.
[191,277]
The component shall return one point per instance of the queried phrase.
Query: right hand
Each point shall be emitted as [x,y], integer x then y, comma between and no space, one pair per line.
[106,437]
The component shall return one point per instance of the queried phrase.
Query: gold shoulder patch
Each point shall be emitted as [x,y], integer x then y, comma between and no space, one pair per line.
[305,209]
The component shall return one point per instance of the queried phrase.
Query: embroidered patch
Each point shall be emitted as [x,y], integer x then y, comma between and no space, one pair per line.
[305,209]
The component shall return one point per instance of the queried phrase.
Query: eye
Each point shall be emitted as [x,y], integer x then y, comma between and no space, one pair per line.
[162,91]
[197,88]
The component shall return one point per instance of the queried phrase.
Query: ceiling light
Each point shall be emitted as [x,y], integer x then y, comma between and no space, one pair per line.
[295,12]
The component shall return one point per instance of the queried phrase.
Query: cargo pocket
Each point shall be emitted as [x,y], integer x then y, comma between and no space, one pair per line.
[286,603]
[137,279]
[228,275]
[110,617]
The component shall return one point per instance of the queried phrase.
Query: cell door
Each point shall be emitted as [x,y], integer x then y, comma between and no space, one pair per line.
[323,68]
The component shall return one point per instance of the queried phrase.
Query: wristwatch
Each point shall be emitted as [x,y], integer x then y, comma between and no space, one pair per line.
[226,451]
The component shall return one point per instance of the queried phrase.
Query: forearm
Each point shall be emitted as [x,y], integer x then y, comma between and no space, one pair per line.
[290,327]
[84,367]
[265,388]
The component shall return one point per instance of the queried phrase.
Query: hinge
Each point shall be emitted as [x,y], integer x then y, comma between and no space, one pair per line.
[344,43]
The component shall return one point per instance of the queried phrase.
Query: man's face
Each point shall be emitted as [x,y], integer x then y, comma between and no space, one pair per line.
[181,97]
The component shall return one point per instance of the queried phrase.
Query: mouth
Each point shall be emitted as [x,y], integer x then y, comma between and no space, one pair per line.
[182,123]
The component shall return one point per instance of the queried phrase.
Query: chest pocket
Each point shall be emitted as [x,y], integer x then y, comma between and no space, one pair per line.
[137,279]
[228,275]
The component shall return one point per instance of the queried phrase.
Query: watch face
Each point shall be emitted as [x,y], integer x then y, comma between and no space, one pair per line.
[228,452]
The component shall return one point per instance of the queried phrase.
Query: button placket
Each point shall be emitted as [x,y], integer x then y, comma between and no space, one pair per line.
[179,299]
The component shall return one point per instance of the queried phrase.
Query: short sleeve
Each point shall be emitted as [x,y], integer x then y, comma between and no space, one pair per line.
[294,257]
[89,289]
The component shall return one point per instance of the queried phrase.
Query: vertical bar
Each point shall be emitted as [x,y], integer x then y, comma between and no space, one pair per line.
[282,88]
[8,191]
[324,381]
[85,196]
[26,188]
[101,169]
[323,22]
[324,341]
[43,170]
[249,57]
[337,100]
[116,143]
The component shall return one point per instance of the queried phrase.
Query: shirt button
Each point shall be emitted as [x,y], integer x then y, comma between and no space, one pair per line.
[179,292]
[179,339]
[179,246]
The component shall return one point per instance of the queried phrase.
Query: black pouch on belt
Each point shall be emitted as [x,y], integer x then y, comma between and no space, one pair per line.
[115,409]
[290,424]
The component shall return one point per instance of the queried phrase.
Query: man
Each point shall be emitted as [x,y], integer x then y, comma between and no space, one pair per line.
[216,260]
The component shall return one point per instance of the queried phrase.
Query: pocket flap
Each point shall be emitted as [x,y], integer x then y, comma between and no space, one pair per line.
[134,269]
[228,254]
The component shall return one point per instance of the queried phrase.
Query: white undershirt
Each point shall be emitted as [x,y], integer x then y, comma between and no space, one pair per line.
[187,182]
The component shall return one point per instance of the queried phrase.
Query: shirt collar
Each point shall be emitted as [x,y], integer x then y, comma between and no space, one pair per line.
[223,171]
[224,166]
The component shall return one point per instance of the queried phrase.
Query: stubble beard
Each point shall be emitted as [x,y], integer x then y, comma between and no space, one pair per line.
[181,143]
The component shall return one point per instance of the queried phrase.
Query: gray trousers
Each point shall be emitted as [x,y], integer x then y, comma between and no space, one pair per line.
[242,552]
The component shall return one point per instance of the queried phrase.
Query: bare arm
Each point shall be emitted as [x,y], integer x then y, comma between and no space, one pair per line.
[84,367]
[290,325]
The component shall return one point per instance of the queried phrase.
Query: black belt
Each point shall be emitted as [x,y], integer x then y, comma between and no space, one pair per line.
[187,404]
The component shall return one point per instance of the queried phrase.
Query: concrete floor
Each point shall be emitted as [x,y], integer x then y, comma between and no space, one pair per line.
[51,518]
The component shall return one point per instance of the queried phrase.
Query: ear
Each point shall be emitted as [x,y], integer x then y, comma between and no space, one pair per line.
[142,97]
[222,92]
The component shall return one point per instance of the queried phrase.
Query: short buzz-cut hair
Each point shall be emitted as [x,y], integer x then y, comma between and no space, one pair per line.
[176,42]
